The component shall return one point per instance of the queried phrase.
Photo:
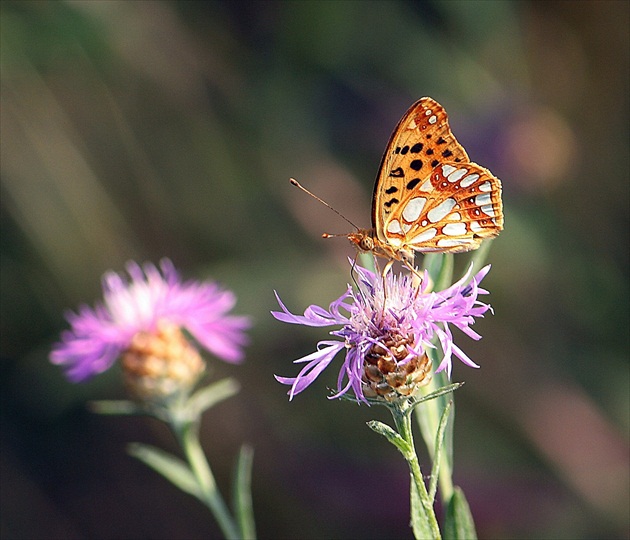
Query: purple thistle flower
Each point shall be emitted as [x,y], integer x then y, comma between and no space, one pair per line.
[408,316]
[149,301]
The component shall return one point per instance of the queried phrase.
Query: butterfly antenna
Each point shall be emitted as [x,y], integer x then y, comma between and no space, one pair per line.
[325,235]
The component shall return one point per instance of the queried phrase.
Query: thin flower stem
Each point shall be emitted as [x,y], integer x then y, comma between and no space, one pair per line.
[189,440]
[403,425]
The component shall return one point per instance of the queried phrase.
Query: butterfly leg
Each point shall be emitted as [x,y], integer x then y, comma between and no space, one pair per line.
[388,267]
[417,276]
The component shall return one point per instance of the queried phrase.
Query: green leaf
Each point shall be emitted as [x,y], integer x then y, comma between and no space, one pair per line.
[170,467]
[367,260]
[243,507]
[439,440]
[440,268]
[479,256]
[120,407]
[437,393]
[419,519]
[429,415]
[208,396]
[391,436]
[458,522]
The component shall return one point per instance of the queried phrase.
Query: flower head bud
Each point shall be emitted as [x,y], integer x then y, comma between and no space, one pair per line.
[395,372]
[387,325]
[161,364]
[141,319]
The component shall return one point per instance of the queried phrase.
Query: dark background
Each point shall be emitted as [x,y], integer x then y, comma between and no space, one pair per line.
[137,130]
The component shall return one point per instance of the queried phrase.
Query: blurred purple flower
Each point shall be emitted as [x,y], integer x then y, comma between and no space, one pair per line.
[98,336]
[407,314]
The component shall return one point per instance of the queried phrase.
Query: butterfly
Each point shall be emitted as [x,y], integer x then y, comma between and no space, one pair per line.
[428,195]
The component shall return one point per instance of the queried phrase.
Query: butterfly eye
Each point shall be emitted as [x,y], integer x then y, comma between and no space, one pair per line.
[367,243]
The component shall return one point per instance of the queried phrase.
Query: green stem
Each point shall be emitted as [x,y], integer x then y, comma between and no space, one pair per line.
[403,426]
[187,435]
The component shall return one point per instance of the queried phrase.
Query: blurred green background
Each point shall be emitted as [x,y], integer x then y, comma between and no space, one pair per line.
[144,129]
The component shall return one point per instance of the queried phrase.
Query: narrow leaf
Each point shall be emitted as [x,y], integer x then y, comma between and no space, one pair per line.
[120,407]
[439,440]
[170,467]
[367,260]
[439,392]
[419,519]
[429,416]
[479,256]
[458,522]
[391,436]
[243,507]
[440,268]
[210,395]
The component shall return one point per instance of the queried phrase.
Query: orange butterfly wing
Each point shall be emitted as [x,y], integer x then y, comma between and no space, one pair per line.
[428,195]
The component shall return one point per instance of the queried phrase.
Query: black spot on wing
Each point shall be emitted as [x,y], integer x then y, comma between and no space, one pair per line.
[393,200]
[412,183]
[397,173]
[390,190]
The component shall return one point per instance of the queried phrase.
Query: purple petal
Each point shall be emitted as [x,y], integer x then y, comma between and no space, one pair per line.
[98,336]
[317,362]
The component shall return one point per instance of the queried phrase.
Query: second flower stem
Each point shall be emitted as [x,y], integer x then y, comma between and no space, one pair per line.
[189,440]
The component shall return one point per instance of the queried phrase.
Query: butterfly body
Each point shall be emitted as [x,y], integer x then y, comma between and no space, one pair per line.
[428,195]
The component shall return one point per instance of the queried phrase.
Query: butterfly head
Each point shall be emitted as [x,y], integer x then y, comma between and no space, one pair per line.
[363,239]
[366,240]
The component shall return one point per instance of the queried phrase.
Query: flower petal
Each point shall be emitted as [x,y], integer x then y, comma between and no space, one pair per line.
[317,362]
[98,336]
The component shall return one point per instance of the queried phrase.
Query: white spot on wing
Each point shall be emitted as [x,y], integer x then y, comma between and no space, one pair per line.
[454,229]
[424,236]
[455,176]
[433,119]
[469,180]
[452,242]
[406,227]
[485,186]
[455,216]
[441,210]
[427,186]
[448,169]
[475,227]
[481,200]
[414,209]
[393,227]
[412,124]
[488,210]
